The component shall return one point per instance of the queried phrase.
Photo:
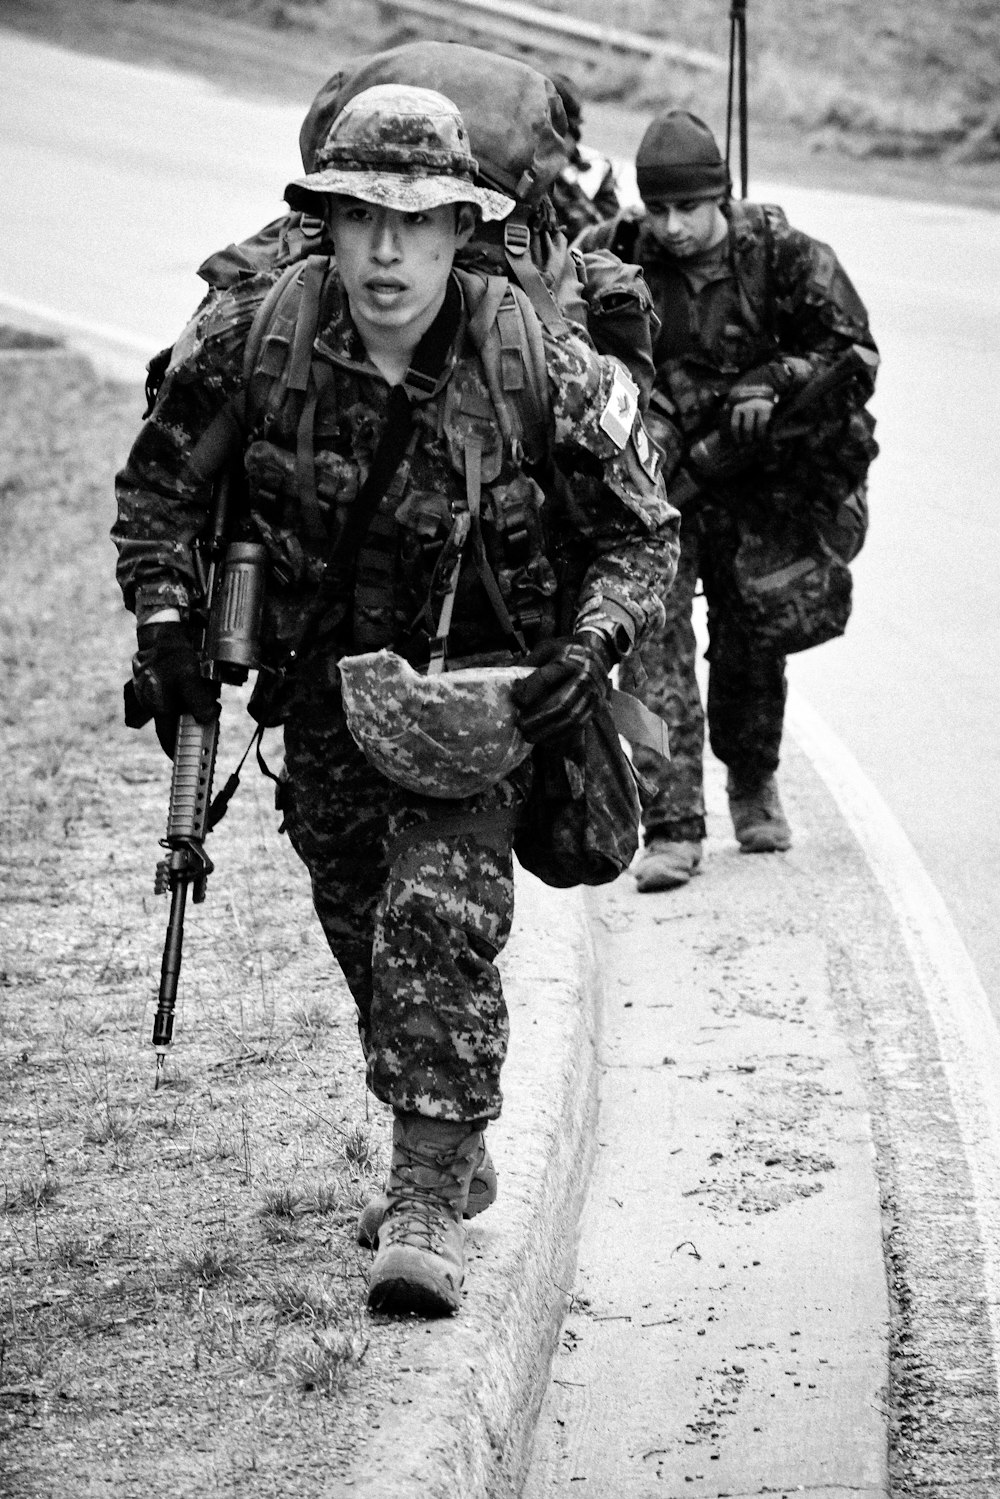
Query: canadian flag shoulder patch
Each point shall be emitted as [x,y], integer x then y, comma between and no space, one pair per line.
[620,410]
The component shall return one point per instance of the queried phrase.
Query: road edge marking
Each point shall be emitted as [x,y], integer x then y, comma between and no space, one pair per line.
[967,1032]
[112,351]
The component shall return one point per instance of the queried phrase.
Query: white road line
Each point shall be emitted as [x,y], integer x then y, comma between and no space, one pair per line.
[967,1032]
[70,324]
[113,352]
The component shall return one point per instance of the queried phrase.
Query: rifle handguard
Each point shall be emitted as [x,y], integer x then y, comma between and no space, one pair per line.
[191,783]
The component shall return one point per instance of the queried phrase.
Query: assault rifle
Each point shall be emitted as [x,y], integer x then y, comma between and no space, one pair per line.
[718,455]
[231,578]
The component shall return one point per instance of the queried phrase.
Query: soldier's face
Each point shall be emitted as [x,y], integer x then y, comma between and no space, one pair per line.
[687,227]
[395,265]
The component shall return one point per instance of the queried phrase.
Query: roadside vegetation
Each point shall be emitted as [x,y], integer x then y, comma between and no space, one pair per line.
[180,1277]
[900,79]
[899,99]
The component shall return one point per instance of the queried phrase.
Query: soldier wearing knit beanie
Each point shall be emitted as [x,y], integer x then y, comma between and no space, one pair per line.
[749,311]
[678,158]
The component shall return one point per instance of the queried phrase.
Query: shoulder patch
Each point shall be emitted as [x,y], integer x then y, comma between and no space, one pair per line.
[622,406]
[647,455]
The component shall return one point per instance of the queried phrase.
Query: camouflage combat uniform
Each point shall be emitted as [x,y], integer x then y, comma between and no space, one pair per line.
[415,919]
[767,294]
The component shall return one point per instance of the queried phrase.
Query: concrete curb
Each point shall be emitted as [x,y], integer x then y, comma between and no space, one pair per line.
[729,1334]
[468,1391]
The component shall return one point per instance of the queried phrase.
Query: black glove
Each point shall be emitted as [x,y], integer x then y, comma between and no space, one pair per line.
[570,679]
[751,400]
[167,681]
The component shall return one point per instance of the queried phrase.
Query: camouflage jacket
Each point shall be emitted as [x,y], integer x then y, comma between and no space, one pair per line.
[596,548]
[782,296]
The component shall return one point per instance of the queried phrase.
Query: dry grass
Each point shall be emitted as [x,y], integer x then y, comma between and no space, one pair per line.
[324,1361]
[153,1241]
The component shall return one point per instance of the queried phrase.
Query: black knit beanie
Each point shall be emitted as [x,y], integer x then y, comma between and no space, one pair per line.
[678,158]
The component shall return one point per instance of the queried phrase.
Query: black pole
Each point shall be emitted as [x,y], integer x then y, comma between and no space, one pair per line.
[738,86]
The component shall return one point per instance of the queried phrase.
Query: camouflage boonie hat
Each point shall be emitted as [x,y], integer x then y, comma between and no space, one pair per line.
[397,147]
[450,735]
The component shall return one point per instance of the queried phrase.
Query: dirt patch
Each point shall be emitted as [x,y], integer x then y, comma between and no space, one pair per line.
[182,1287]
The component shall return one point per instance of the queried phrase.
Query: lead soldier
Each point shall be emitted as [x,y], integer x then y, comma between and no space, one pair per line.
[404,439]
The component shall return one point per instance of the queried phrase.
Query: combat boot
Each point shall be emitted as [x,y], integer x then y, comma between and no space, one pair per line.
[482,1195]
[420,1264]
[758,819]
[665,864]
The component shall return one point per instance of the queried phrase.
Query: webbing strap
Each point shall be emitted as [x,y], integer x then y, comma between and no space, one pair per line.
[512,352]
[513,372]
[306,323]
[263,317]
[473,493]
[533,392]
[529,278]
[639,724]
[483,317]
[319,378]
[439,644]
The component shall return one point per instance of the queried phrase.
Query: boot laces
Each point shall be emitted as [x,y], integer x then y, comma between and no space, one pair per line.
[418,1220]
[422,1212]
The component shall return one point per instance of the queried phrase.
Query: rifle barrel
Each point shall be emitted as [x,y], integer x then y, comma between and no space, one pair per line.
[170,968]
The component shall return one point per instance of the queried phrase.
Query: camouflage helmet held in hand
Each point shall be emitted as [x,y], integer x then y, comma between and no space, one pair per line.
[450,735]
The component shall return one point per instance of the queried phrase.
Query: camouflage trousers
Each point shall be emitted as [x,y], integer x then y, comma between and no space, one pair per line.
[746,686]
[414,918]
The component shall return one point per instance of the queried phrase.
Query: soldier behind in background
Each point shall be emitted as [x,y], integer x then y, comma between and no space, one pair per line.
[404,440]
[585,192]
[749,310]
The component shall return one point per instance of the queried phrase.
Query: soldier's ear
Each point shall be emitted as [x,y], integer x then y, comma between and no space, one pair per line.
[465,224]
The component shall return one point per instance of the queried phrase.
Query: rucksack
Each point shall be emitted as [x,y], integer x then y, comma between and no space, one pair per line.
[516,124]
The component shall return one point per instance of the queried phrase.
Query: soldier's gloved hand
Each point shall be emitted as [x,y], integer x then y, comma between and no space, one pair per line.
[569,680]
[751,401]
[748,421]
[167,681]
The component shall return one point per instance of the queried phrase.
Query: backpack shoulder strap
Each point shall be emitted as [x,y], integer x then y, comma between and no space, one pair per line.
[277,361]
[523,272]
[507,333]
[278,349]
[753,255]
